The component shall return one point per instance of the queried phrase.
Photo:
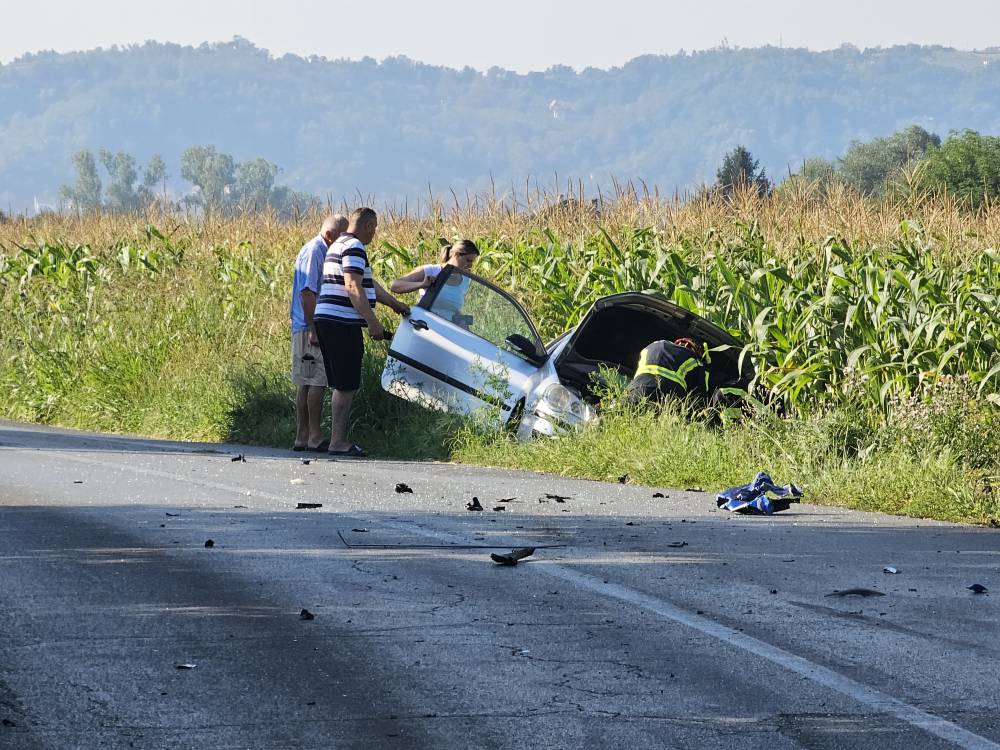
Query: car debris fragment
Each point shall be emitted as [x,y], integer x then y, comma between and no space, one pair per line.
[557,498]
[305,614]
[659,494]
[515,554]
[499,507]
[677,544]
[623,479]
[238,458]
[185,666]
[856,592]
[890,570]
[977,588]
[403,487]
[209,543]
[307,506]
[474,505]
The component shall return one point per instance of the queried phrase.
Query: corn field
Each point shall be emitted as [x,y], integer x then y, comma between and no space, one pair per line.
[837,299]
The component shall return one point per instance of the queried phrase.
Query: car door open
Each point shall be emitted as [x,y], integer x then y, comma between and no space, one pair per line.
[466,346]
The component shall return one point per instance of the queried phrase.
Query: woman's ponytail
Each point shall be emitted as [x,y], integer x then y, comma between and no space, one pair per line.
[445,254]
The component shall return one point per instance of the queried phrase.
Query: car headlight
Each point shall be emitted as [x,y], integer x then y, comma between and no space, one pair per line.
[560,399]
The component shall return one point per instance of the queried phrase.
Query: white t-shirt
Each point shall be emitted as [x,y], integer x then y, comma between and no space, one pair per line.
[450,298]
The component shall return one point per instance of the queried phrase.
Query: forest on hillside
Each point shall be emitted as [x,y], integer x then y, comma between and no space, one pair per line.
[396,128]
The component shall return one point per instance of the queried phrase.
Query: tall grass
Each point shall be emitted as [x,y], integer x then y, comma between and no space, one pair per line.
[855,313]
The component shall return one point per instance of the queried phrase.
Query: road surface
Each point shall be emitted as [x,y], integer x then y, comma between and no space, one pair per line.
[640,621]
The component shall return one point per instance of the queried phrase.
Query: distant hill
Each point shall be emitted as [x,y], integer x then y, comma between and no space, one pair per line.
[392,128]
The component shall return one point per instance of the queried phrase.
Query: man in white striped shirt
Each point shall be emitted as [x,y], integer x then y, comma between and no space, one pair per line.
[345,305]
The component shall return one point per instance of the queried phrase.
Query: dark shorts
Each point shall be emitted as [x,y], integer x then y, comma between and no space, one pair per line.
[343,348]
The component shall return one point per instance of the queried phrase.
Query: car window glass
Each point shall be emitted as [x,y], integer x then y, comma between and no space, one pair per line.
[482,311]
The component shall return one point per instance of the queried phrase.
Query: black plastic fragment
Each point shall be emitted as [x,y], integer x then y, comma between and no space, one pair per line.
[856,592]
[515,554]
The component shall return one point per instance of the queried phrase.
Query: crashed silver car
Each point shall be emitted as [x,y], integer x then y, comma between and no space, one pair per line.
[468,346]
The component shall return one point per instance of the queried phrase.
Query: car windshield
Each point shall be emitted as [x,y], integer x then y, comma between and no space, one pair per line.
[483,310]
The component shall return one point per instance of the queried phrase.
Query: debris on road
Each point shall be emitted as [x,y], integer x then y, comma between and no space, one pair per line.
[307,506]
[360,531]
[623,479]
[185,666]
[856,592]
[694,489]
[506,499]
[557,498]
[173,515]
[77,481]
[9,723]
[752,499]
[239,457]
[977,588]
[677,544]
[474,505]
[515,554]
[499,507]
[298,480]
[659,494]
[306,461]
[305,614]
[403,487]
[890,570]
[209,543]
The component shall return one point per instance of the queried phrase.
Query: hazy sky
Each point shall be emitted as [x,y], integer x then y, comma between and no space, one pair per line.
[516,34]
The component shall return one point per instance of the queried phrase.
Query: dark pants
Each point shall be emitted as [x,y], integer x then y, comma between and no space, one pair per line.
[343,347]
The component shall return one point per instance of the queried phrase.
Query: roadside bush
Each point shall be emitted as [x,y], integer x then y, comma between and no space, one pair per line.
[947,414]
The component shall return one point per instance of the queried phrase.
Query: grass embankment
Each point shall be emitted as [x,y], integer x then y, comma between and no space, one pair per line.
[876,324]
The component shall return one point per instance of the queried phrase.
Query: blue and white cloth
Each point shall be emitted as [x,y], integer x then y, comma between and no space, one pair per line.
[752,499]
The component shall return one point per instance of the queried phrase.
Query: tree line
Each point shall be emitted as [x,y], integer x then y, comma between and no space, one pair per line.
[220,184]
[966,165]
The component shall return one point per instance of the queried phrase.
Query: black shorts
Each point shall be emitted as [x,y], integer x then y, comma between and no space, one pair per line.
[343,348]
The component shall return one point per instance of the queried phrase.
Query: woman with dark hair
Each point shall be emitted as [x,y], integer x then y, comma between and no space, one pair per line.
[451,297]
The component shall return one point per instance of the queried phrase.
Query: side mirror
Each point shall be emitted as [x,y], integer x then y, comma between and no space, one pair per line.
[525,346]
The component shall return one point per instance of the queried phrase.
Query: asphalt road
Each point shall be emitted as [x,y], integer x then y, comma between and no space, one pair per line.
[639,622]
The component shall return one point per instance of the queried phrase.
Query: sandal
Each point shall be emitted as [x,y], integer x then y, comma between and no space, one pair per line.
[355,451]
[321,448]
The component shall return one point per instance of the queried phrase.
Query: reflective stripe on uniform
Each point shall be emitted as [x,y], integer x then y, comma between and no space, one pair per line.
[678,376]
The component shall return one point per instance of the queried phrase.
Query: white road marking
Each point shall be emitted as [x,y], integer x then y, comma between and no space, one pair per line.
[817,673]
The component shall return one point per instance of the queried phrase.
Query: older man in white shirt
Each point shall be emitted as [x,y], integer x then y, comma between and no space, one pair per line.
[308,371]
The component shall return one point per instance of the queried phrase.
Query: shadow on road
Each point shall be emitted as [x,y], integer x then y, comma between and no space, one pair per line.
[40,437]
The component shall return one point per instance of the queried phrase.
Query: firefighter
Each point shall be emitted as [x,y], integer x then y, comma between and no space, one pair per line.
[668,368]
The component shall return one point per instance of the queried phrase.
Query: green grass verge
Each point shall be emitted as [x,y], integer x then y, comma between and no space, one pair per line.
[196,346]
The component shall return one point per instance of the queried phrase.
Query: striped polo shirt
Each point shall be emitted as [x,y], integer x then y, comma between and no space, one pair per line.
[346,255]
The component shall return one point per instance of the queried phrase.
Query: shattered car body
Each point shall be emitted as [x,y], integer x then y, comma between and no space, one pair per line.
[469,346]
